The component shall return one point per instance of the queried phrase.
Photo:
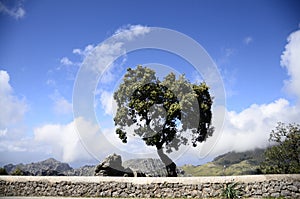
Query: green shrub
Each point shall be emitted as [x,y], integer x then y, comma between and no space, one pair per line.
[230,191]
[17,172]
[3,171]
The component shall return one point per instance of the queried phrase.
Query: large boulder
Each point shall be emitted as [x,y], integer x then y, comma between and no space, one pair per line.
[112,166]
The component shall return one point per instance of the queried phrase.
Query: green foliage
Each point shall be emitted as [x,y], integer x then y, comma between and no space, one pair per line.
[213,169]
[162,112]
[236,163]
[284,156]
[17,172]
[3,171]
[230,191]
[174,101]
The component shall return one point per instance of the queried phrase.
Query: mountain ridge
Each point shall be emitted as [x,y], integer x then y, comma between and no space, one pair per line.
[231,163]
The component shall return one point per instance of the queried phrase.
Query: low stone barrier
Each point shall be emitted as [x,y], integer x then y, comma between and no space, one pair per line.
[148,187]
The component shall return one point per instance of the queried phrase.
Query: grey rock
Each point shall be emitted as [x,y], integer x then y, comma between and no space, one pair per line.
[293,188]
[148,166]
[285,193]
[87,170]
[276,195]
[112,166]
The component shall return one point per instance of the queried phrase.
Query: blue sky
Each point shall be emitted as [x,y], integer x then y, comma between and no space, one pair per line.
[255,45]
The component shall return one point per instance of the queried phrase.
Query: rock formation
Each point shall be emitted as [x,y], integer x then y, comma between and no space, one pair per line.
[112,166]
[52,167]
[148,166]
[49,167]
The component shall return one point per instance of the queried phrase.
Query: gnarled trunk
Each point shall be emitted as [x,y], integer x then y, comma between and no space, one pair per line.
[170,165]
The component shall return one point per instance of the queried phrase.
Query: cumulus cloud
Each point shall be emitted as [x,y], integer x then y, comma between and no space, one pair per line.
[61,105]
[12,130]
[12,108]
[86,51]
[65,61]
[250,128]
[100,57]
[63,141]
[16,12]
[108,103]
[131,31]
[78,140]
[290,60]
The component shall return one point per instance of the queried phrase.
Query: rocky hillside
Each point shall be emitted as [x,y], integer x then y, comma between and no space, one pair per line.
[49,167]
[52,167]
[148,166]
[232,163]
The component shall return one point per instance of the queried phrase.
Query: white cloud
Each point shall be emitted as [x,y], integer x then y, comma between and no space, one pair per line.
[85,52]
[248,40]
[100,58]
[12,108]
[3,132]
[16,145]
[108,103]
[130,31]
[245,130]
[103,56]
[290,60]
[16,12]
[250,128]
[63,141]
[61,105]
[65,61]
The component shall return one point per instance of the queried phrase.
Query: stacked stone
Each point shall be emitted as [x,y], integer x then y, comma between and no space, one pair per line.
[269,188]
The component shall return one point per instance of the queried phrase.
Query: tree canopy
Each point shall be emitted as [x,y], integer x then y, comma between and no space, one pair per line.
[284,156]
[165,114]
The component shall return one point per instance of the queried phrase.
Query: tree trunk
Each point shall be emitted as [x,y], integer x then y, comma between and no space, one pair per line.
[170,165]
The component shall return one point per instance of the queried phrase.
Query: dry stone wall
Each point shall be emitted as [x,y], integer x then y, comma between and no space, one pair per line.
[147,187]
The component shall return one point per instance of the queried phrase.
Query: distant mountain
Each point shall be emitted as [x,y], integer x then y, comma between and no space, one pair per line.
[49,167]
[253,157]
[52,167]
[232,163]
[46,167]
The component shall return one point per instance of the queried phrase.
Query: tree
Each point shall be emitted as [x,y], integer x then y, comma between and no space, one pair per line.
[284,156]
[17,172]
[3,171]
[165,114]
